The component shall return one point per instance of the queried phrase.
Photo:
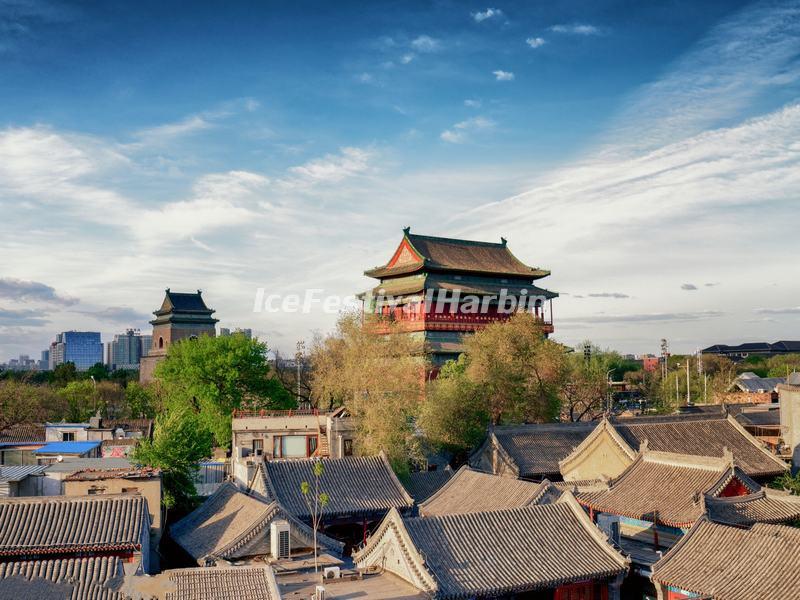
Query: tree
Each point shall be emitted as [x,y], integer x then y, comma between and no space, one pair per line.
[81,400]
[316,502]
[179,442]
[217,375]
[64,373]
[141,400]
[518,370]
[509,373]
[584,396]
[377,372]
[22,402]
[98,372]
[454,414]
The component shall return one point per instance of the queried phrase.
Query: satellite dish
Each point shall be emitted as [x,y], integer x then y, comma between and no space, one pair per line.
[59,458]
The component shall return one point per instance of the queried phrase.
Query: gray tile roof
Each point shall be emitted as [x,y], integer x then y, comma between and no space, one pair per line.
[73,465]
[473,491]
[75,578]
[217,583]
[62,524]
[701,435]
[537,449]
[423,484]
[764,506]
[22,433]
[20,472]
[730,563]
[755,385]
[640,492]
[494,554]
[357,486]
[232,524]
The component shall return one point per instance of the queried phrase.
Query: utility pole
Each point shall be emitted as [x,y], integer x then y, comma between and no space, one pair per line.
[664,356]
[688,383]
[298,359]
[677,393]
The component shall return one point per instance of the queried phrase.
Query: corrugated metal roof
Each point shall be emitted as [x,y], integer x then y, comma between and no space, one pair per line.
[20,472]
[73,464]
[68,447]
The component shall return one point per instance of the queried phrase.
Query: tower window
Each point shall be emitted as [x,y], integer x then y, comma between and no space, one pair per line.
[161,342]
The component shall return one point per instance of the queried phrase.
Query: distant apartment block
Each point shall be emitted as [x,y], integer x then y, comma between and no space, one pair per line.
[246,332]
[127,349]
[82,348]
[23,363]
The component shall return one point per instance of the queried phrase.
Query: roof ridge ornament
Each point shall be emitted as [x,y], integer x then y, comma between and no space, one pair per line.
[503,241]
[406,230]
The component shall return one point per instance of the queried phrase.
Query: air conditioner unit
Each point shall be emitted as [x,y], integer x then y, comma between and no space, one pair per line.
[609,524]
[279,539]
[332,573]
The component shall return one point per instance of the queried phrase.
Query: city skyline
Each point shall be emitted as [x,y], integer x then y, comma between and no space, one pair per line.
[645,155]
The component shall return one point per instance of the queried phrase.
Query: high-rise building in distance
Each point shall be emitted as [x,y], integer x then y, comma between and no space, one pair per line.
[127,349]
[82,348]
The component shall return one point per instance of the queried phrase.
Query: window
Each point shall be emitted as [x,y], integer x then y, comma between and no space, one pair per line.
[289,446]
[312,442]
[347,449]
[161,342]
[258,447]
[130,490]
[67,436]
[96,490]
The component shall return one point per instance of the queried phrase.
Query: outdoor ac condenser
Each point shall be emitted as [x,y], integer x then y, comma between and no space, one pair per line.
[279,532]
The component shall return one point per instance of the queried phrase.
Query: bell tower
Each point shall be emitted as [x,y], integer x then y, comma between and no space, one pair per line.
[181,316]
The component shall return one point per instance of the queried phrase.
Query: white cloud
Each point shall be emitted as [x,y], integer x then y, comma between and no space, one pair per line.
[787,310]
[688,287]
[536,42]
[425,43]
[458,132]
[407,58]
[576,29]
[503,75]
[472,103]
[364,77]
[489,13]
[349,162]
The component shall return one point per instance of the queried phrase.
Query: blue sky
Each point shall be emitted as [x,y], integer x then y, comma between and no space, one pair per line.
[645,152]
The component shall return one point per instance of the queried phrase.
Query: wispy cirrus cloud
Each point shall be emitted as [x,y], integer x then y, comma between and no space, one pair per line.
[786,310]
[331,168]
[576,29]
[535,42]
[459,132]
[646,317]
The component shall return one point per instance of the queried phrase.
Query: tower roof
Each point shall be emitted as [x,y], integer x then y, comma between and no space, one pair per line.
[418,252]
[184,306]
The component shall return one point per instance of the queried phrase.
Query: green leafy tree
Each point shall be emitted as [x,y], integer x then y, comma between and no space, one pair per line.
[218,375]
[98,372]
[22,402]
[181,439]
[64,373]
[141,400]
[509,373]
[316,502]
[454,414]
[81,400]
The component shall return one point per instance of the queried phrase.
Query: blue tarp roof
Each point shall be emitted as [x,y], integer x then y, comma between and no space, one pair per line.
[67,447]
